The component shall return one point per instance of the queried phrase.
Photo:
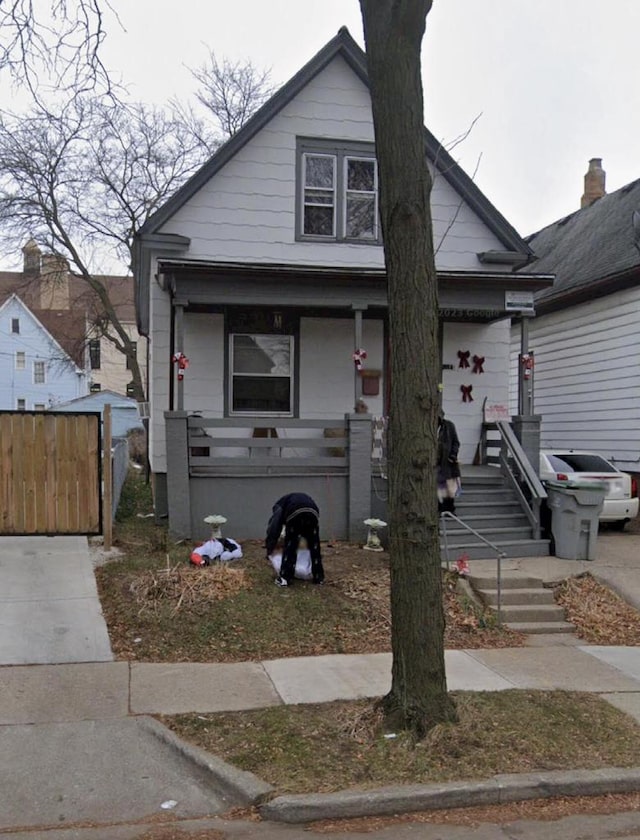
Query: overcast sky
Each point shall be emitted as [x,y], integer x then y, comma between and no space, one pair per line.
[556,82]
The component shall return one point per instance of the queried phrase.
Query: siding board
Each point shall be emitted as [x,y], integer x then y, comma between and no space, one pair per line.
[587,376]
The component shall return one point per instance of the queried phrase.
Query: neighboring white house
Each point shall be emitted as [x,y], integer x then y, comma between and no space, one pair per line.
[586,333]
[266,271]
[37,372]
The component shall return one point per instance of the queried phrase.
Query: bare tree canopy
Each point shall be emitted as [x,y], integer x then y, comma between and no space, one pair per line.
[394,30]
[82,182]
[55,42]
[232,91]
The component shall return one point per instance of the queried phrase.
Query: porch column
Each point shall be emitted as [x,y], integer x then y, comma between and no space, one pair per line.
[359,474]
[178,495]
[179,348]
[525,375]
[357,342]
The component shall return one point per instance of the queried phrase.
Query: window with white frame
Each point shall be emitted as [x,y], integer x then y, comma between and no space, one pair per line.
[21,360]
[39,373]
[39,407]
[338,192]
[21,404]
[15,326]
[261,374]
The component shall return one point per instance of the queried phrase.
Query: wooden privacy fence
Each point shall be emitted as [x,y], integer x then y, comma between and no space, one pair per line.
[50,473]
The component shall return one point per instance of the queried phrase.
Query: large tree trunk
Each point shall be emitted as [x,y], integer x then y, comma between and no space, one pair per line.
[394,29]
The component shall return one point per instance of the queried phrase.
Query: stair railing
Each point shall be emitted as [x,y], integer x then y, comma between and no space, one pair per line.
[521,476]
[500,555]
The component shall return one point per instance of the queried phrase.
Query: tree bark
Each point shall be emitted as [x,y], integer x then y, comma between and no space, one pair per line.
[394,29]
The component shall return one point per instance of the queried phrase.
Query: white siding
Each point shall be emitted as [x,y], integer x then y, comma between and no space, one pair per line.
[327,371]
[492,342]
[587,382]
[246,212]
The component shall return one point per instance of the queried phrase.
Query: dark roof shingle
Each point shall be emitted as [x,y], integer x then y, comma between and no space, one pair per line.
[591,245]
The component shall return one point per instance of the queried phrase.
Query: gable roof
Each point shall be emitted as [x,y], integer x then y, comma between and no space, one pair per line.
[342,45]
[592,251]
[41,320]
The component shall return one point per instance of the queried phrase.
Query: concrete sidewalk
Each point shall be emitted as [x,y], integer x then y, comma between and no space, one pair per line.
[107,691]
[77,743]
[49,606]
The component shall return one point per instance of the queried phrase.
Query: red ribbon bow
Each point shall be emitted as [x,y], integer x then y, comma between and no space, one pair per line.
[478,361]
[466,393]
[183,363]
[463,357]
[358,357]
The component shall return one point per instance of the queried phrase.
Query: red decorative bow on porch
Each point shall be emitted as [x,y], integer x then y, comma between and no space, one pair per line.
[358,357]
[183,363]
[463,358]
[466,393]
[478,361]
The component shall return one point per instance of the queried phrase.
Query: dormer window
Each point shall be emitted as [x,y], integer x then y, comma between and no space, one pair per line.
[337,192]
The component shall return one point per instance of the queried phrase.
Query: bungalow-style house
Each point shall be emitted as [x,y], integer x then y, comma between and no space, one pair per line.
[586,333]
[261,286]
[63,302]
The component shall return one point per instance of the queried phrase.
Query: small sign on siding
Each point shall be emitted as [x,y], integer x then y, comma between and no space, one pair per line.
[519,302]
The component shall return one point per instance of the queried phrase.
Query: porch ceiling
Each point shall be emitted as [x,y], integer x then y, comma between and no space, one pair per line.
[463,296]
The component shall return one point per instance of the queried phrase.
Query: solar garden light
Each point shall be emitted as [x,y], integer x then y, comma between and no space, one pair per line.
[373,540]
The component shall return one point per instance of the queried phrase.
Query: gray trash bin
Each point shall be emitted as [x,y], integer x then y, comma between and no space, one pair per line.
[575,509]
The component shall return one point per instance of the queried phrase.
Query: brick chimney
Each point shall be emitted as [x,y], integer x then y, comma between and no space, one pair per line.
[54,282]
[594,183]
[31,256]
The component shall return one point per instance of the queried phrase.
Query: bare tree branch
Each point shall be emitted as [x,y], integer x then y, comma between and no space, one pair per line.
[232,91]
[55,44]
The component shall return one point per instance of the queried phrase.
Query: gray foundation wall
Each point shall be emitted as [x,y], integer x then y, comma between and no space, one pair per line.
[247,501]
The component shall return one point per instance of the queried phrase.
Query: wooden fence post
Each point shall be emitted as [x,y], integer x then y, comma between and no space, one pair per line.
[107,480]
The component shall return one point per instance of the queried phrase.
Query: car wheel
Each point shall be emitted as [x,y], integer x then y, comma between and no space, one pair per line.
[618,525]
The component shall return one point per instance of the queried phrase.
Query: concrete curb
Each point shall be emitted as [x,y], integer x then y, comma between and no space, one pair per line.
[239,786]
[407,798]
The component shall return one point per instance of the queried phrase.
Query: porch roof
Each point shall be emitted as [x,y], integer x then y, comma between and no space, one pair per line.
[464,296]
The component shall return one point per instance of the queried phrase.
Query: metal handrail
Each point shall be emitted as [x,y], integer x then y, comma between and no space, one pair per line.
[500,555]
[526,471]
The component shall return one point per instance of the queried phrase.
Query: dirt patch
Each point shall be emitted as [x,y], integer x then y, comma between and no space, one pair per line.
[166,611]
[600,616]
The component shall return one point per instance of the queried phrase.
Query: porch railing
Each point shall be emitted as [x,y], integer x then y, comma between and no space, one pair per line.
[243,464]
[521,476]
[500,555]
[246,446]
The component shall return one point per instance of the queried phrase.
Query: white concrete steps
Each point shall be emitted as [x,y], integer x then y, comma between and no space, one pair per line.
[526,605]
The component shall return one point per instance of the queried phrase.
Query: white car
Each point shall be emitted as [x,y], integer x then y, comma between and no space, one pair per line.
[621,498]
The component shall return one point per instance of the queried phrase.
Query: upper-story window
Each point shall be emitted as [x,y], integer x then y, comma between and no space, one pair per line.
[94,353]
[337,192]
[15,326]
[39,373]
[21,360]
